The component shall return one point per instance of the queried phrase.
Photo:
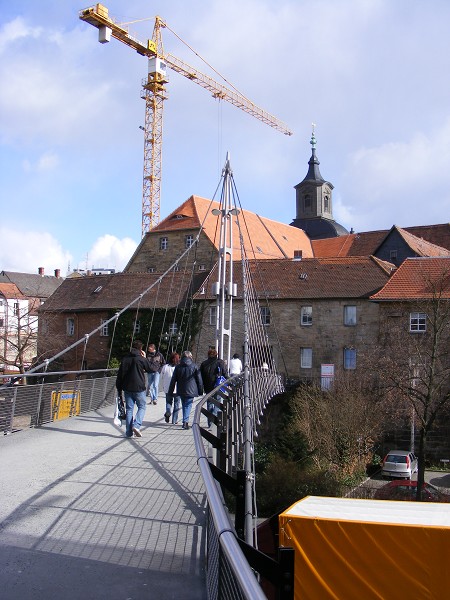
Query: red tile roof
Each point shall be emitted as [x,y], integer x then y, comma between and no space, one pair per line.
[11,292]
[262,238]
[417,279]
[427,240]
[348,277]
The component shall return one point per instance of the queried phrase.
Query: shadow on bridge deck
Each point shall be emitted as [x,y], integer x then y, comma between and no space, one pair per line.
[87,513]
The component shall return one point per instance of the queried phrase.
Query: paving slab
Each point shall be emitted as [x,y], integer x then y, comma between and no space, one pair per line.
[87,513]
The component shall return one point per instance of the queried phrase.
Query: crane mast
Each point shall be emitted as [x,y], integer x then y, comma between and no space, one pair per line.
[154,94]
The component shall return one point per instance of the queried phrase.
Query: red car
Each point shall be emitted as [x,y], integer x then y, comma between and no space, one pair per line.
[406,490]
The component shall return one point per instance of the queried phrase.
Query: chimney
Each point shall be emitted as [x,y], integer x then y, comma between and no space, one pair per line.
[41,271]
[57,273]
[298,254]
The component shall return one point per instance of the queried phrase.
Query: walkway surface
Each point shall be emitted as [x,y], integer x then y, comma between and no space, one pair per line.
[86,513]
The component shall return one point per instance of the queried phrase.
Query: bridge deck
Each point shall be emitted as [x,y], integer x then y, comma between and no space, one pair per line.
[87,513]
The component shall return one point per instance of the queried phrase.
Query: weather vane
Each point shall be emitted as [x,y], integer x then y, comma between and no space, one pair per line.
[313,138]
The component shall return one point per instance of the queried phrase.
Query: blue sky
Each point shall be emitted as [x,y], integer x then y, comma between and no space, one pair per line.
[372,75]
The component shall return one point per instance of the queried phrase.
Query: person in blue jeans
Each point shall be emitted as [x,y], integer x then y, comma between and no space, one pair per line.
[188,380]
[132,382]
[166,378]
[156,361]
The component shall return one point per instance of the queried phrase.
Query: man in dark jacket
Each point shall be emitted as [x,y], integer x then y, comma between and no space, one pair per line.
[188,380]
[132,381]
[211,369]
[157,361]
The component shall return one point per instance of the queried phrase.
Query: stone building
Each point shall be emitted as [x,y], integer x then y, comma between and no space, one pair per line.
[314,311]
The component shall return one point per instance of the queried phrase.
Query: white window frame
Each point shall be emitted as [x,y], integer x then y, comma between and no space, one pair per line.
[265,315]
[137,327]
[306,355]
[349,358]
[104,331]
[188,240]
[417,322]
[70,326]
[212,315]
[350,315]
[306,316]
[163,243]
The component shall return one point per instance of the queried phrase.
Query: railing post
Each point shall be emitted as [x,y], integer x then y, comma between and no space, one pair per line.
[286,581]
[239,521]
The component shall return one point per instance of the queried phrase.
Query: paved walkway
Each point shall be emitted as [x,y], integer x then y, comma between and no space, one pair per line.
[86,513]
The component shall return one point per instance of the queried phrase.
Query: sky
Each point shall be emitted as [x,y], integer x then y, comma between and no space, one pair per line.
[373,75]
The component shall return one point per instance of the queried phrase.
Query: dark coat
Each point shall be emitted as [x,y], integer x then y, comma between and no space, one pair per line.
[211,369]
[187,378]
[156,361]
[131,375]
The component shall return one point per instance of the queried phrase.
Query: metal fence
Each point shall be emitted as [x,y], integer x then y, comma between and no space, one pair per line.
[44,401]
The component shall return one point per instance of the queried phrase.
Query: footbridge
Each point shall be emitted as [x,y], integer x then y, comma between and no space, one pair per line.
[89,513]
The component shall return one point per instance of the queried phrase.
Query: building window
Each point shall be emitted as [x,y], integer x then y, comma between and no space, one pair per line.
[70,326]
[265,315]
[151,270]
[163,243]
[417,322]
[349,358]
[307,201]
[393,254]
[201,267]
[137,327]
[212,315]
[2,322]
[326,204]
[188,240]
[306,358]
[104,331]
[306,315]
[350,315]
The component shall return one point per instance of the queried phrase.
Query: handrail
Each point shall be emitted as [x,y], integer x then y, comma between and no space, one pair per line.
[225,531]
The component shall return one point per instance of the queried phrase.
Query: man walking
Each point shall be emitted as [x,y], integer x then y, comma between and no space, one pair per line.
[188,380]
[212,369]
[157,361]
[131,380]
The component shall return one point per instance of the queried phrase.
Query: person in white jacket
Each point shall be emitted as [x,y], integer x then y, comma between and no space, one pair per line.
[235,365]
[165,379]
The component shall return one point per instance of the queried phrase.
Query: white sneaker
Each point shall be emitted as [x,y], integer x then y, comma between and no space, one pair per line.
[136,432]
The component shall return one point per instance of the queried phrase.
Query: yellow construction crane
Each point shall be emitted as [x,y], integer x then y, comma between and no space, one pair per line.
[155,94]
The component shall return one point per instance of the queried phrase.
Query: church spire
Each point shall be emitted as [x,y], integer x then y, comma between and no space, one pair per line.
[313,173]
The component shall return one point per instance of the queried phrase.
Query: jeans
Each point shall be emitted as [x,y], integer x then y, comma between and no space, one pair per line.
[186,404]
[212,408]
[132,398]
[176,401]
[153,385]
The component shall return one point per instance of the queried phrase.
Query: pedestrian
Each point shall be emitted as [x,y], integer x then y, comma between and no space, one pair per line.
[235,365]
[188,380]
[157,362]
[211,369]
[131,381]
[166,377]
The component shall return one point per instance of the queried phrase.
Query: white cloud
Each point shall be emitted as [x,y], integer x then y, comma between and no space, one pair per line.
[46,162]
[26,251]
[16,30]
[109,252]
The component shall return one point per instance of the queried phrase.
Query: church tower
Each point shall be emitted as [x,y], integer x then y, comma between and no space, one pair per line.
[314,203]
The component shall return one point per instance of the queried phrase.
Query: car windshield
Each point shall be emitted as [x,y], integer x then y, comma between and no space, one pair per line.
[396,458]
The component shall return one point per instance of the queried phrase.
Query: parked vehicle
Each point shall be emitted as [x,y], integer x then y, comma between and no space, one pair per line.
[399,463]
[406,490]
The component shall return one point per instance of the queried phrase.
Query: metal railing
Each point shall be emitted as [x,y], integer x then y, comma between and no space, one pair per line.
[235,569]
[53,396]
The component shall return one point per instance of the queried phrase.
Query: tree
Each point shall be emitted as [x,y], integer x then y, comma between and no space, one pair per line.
[340,424]
[415,361]
[18,332]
